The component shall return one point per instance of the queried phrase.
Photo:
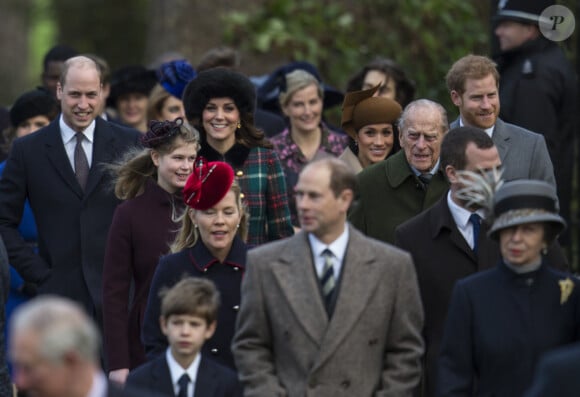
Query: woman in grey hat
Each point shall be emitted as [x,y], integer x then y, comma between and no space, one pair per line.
[502,320]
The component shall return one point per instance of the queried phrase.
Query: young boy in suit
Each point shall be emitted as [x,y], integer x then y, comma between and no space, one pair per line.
[188,318]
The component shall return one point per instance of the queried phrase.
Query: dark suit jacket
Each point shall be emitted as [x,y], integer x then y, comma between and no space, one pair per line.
[557,374]
[285,344]
[441,257]
[523,153]
[72,224]
[213,380]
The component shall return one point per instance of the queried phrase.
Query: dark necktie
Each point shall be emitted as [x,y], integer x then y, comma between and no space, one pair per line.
[327,281]
[81,162]
[183,383]
[425,179]
[475,220]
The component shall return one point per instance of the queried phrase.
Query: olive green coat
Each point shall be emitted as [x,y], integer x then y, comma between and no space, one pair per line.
[389,193]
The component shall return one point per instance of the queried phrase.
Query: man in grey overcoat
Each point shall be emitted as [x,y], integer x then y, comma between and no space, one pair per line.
[328,312]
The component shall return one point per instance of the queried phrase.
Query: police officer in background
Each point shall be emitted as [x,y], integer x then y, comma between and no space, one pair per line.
[538,87]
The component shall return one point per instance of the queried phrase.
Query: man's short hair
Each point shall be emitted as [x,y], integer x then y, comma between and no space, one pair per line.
[455,144]
[471,66]
[58,53]
[222,56]
[423,103]
[61,325]
[191,296]
[342,177]
[82,62]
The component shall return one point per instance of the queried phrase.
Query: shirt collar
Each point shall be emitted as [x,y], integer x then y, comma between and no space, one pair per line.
[99,385]
[177,370]
[337,247]
[460,215]
[488,131]
[432,172]
[68,133]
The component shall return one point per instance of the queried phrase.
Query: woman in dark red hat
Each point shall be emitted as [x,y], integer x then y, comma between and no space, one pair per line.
[150,180]
[209,244]
[220,103]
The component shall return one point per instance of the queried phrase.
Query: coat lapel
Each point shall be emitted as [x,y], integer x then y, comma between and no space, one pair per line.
[58,158]
[501,138]
[442,219]
[205,383]
[104,150]
[161,374]
[298,283]
[359,280]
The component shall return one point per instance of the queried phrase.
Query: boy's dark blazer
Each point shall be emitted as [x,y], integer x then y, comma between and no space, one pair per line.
[213,379]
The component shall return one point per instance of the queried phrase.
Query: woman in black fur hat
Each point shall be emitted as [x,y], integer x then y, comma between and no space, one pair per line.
[220,103]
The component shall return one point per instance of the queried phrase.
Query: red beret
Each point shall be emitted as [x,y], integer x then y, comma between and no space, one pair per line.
[207,184]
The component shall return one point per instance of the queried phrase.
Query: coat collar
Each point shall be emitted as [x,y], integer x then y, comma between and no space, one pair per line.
[203,259]
[301,289]
[236,156]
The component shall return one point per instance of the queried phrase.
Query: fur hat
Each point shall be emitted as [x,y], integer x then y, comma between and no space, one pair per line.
[208,184]
[361,108]
[524,11]
[174,76]
[525,201]
[131,79]
[31,104]
[218,83]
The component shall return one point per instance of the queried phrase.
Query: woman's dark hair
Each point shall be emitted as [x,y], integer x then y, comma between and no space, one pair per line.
[405,86]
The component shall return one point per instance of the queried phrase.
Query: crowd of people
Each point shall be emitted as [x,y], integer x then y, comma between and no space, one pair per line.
[190,231]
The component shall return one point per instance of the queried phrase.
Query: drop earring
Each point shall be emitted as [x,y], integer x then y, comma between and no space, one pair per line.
[239,125]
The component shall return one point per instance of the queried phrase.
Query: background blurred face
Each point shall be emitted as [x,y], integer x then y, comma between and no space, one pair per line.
[32,124]
[479,104]
[522,244]
[320,212]
[421,138]
[304,109]
[79,96]
[174,168]
[512,34]
[172,108]
[220,119]
[132,108]
[375,142]
[51,76]
[35,374]
[218,225]
[388,88]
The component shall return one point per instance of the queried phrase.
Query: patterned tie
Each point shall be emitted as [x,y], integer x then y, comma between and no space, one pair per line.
[81,162]
[475,220]
[327,281]
[183,383]
[425,179]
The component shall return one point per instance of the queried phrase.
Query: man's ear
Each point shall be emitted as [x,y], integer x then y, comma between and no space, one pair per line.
[451,174]
[455,98]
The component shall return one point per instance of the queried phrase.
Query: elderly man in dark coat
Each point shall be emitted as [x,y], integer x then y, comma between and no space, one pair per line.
[410,181]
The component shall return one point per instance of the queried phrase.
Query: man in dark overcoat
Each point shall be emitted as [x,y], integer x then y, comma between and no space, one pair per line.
[68,189]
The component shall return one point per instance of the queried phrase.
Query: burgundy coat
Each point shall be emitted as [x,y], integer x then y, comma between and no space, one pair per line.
[140,234]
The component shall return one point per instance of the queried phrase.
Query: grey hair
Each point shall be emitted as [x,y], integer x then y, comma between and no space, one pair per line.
[61,326]
[423,104]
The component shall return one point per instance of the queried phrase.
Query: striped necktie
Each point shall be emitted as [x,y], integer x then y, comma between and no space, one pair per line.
[327,281]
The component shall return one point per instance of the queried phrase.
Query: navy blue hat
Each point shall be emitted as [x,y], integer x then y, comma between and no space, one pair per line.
[174,76]
[33,103]
[269,91]
[131,79]
[525,11]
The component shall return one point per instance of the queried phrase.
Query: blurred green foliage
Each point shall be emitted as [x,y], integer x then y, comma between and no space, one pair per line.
[424,36]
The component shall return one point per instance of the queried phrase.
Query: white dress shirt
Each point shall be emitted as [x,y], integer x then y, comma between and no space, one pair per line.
[177,371]
[69,140]
[461,217]
[337,247]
